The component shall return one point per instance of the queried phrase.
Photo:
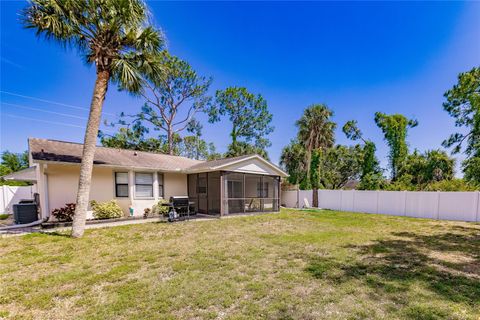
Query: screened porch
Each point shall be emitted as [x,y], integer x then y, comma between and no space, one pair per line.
[224,192]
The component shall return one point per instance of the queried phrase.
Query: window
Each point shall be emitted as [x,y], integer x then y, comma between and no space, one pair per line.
[143,185]
[121,184]
[160,185]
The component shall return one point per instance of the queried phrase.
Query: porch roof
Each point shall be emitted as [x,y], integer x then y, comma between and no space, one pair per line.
[27,174]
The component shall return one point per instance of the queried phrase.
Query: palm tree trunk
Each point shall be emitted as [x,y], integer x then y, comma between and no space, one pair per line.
[101,85]
[315,198]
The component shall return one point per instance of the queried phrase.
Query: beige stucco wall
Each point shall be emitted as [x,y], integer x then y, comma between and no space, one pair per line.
[63,184]
[175,184]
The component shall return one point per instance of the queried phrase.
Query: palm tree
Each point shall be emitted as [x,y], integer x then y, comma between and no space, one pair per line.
[116,37]
[316,132]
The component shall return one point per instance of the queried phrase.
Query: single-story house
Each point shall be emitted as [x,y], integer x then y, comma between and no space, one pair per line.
[137,179]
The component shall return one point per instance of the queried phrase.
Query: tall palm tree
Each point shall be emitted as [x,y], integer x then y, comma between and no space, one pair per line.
[115,36]
[316,132]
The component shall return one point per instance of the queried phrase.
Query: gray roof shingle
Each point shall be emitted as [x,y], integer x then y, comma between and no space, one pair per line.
[61,151]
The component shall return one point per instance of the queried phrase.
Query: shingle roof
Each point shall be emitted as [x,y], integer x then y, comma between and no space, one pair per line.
[209,165]
[61,151]
[71,152]
[27,174]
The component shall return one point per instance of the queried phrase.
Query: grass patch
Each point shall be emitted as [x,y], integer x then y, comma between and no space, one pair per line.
[293,265]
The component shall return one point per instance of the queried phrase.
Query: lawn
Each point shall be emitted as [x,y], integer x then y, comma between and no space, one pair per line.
[292,265]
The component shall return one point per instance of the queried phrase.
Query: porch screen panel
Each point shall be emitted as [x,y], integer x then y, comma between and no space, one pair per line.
[253,193]
[214,192]
[271,193]
[192,190]
[234,193]
[202,193]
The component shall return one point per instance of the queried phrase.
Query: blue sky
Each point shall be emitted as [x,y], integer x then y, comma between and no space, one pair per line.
[357,57]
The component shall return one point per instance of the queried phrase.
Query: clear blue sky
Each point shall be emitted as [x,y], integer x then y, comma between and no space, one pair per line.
[358,58]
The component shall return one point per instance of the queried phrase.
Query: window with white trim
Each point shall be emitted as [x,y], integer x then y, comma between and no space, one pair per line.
[143,185]
[121,184]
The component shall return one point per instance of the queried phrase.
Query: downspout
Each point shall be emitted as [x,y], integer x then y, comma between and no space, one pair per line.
[25,225]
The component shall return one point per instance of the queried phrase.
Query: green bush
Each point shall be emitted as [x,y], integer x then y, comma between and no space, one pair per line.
[451,185]
[160,210]
[4,216]
[64,214]
[106,210]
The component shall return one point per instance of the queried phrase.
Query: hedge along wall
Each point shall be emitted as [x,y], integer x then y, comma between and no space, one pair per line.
[462,206]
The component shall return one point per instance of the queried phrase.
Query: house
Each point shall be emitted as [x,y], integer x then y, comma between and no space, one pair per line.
[139,179]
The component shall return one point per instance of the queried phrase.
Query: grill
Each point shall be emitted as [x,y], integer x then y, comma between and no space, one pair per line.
[178,206]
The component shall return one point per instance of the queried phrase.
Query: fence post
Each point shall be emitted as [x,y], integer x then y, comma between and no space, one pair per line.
[378,198]
[405,204]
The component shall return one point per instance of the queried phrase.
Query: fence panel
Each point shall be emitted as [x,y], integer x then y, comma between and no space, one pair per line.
[305,195]
[422,205]
[330,199]
[458,206]
[10,195]
[289,199]
[392,202]
[463,206]
[366,201]
[348,200]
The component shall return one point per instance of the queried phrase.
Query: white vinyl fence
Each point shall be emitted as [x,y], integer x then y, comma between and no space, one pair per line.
[12,195]
[463,206]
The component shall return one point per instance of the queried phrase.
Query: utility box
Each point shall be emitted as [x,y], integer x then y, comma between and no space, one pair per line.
[25,213]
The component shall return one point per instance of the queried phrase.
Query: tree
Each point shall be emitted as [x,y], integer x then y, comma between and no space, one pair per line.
[315,132]
[115,36]
[370,165]
[394,128]
[292,160]
[173,97]
[134,138]
[431,166]
[250,120]
[13,162]
[338,165]
[194,147]
[471,170]
[463,104]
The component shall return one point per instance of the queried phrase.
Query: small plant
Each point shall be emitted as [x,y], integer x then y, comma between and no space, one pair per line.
[159,208]
[64,214]
[146,212]
[106,210]
[4,216]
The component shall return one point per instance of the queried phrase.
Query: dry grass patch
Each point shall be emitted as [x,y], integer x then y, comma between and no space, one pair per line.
[292,265]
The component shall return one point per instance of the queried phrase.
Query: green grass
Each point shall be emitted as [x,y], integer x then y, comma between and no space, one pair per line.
[292,265]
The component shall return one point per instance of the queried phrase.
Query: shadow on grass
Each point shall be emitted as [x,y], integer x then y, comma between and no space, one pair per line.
[446,265]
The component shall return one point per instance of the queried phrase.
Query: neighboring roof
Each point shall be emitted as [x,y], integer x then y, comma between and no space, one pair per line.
[70,152]
[27,174]
[226,162]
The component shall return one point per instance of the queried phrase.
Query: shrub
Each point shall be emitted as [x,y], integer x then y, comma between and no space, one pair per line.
[65,213]
[451,185]
[106,210]
[4,216]
[160,210]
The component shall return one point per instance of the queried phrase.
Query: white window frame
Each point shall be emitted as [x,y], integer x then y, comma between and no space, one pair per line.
[135,185]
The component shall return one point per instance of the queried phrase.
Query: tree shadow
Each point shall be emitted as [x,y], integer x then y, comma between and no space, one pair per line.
[446,264]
